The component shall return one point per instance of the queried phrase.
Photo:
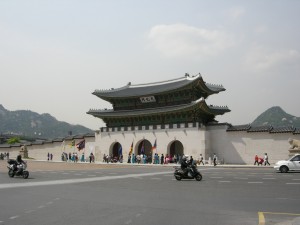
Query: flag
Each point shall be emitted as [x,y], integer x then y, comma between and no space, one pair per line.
[131,149]
[80,145]
[154,146]
[72,143]
[143,148]
[120,150]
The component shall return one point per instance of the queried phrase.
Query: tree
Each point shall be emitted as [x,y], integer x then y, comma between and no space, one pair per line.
[13,140]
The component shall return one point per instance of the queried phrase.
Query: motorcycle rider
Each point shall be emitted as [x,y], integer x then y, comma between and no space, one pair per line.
[19,163]
[185,165]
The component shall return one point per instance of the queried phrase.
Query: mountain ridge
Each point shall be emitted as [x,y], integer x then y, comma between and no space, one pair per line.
[32,124]
[276,117]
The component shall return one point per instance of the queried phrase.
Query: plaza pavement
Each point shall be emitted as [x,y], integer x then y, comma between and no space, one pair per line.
[61,165]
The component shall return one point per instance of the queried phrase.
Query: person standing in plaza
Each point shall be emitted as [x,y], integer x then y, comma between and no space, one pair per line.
[162,159]
[256,160]
[266,158]
[201,159]
[215,159]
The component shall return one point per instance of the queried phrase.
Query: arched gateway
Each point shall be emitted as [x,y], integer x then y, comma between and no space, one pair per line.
[144,147]
[115,150]
[160,112]
[176,148]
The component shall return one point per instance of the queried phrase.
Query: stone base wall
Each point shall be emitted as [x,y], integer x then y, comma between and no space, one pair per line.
[235,147]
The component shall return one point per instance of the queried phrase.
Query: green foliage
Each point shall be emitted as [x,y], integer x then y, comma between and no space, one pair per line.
[13,140]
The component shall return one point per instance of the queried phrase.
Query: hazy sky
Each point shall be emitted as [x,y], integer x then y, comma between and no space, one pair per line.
[54,54]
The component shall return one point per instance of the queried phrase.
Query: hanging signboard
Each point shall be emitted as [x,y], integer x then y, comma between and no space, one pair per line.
[147,99]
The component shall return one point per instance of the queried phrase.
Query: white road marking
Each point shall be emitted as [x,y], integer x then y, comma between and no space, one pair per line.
[296,179]
[224,181]
[255,182]
[216,177]
[13,217]
[81,180]
[91,175]
[269,178]
[41,206]
[241,178]
[292,183]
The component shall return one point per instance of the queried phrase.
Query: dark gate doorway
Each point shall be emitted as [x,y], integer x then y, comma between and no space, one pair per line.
[116,150]
[145,148]
[176,148]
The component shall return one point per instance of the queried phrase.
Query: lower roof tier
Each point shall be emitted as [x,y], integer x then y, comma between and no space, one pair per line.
[197,111]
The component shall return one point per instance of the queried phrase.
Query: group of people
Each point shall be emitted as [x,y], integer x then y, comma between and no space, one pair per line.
[4,156]
[74,157]
[112,159]
[261,161]
[49,156]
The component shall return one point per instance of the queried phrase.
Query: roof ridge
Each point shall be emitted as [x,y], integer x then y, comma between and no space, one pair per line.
[186,77]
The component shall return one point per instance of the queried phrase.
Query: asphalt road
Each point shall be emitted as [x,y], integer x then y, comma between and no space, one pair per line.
[150,195]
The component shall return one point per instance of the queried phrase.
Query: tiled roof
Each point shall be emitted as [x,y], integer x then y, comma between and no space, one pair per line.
[297,131]
[245,127]
[260,129]
[283,130]
[152,88]
[267,128]
[216,110]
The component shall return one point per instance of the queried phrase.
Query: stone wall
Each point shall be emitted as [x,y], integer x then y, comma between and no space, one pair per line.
[234,147]
[240,147]
[40,151]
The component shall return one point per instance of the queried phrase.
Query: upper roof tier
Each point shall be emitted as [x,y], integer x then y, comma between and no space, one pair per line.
[140,90]
[199,105]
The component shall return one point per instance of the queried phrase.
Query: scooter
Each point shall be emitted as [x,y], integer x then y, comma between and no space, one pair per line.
[15,169]
[192,173]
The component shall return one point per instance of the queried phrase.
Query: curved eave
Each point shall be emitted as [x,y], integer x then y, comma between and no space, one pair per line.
[158,88]
[199,105]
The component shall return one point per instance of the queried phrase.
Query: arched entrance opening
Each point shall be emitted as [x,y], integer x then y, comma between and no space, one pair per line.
[144,148]
[116,150]
[176,148]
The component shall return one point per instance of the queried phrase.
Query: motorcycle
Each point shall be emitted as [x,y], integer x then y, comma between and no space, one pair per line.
[15,169]
[192,173]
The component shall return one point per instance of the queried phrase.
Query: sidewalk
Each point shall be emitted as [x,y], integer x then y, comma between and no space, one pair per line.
[160,165]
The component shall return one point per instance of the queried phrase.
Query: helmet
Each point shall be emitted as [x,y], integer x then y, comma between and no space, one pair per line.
[184,157]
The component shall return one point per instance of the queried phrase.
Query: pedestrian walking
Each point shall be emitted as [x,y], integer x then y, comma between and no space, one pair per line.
[256,160]
[266,158]
[215,159]
[201,160]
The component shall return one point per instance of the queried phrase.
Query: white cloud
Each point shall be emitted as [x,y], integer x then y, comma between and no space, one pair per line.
[236,12]
[261,59]
[181,40]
